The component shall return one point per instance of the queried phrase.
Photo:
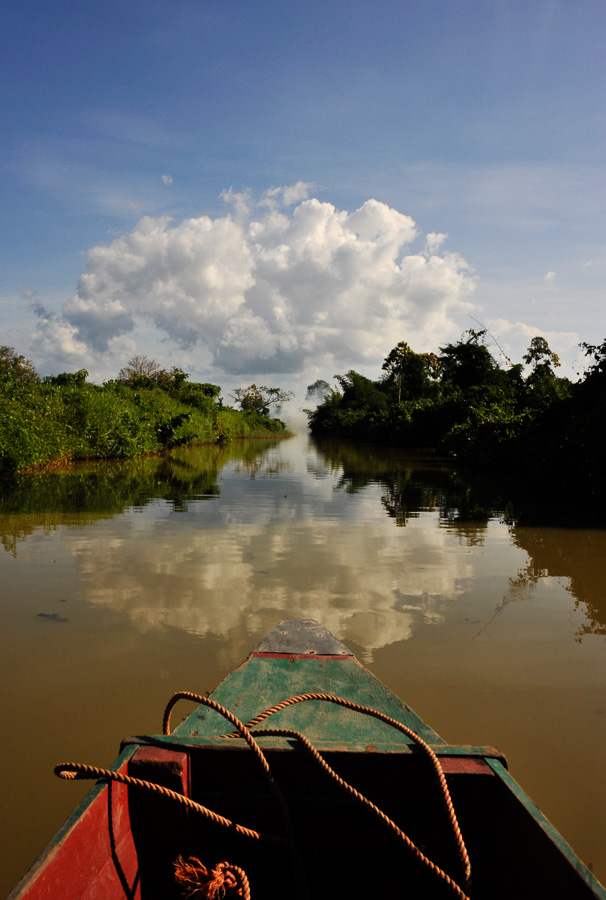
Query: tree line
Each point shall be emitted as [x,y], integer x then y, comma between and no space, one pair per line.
[542,430]
[444,401]
[145,409]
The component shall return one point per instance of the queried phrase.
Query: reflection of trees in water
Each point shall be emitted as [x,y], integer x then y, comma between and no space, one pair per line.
[264,465]
[80,494]
[594,626]
[574,554]
[412,484]
[396,501]
[409,486]
[520,589]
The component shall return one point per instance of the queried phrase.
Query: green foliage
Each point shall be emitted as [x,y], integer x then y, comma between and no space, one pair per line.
[360,393]
[468,363]
[65,418]
[461,403]
[68,379]
[597,370]
[14,367]
[540,355]
[203,396]
[412,374]
[85,492]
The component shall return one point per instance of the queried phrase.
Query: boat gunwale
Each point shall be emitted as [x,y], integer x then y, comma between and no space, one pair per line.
[287,744]
[552,833]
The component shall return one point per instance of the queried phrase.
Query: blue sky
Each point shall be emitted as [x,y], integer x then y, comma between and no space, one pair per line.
[144,146]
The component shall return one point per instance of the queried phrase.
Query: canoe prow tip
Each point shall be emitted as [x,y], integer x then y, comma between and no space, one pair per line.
[301,637]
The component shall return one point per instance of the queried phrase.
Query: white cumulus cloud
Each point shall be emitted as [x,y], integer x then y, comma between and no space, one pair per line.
[274,285]
[433,241]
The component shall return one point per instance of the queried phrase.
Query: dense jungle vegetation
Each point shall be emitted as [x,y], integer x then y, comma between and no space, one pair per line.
[145,410]
[544,433]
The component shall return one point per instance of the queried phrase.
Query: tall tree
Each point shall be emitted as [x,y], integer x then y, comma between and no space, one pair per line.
[16,367]
[469,362]
[359,392]
[539,354]
[259,399]
[318,390]
[543,385]
[139,367]
[410,372]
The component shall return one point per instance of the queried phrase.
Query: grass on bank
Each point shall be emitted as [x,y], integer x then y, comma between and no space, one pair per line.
[46,423]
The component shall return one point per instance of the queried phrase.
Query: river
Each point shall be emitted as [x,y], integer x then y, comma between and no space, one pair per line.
[123,582]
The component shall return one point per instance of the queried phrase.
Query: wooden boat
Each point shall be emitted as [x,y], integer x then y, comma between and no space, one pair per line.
[391,827]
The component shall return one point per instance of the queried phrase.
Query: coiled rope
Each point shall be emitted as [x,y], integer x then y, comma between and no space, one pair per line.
[193,877]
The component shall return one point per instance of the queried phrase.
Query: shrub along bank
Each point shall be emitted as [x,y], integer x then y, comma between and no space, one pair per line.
[65,418]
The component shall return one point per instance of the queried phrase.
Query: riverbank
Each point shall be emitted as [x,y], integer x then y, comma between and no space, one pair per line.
[48,424]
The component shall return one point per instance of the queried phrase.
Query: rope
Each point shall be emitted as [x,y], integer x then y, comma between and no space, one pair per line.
[368,803]
[369,711]
[244,730]
[193,877]
[82,771]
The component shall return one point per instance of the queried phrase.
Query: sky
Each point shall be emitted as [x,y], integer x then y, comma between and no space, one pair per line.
[277,192]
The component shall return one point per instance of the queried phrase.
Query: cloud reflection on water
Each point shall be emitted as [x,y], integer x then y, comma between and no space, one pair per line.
[226,542]
[363,582]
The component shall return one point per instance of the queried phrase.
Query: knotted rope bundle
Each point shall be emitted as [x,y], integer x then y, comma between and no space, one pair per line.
[195,880]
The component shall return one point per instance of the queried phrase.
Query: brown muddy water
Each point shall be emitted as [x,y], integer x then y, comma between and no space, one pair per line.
[121,583]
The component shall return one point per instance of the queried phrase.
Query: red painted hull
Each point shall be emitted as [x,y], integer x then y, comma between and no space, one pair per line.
[96,855]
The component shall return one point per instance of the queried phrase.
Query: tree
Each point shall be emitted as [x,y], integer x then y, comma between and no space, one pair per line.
[68,379]
[598,351]
[259,399]
[178,377]
[209,390]
[540,355]
[16,367]
[139,367]
[359,392]
[318,390]
[410,372]
[543,384]
[468,363]
[141,370]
